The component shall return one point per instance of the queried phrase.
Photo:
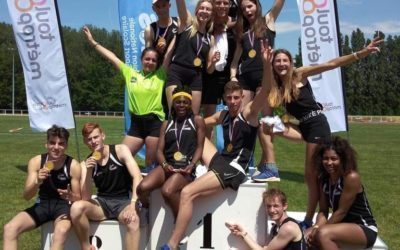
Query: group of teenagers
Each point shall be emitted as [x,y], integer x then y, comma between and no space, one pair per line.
[223,51]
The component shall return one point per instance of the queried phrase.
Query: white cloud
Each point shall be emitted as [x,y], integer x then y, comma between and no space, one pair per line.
[387,27]
[284,27]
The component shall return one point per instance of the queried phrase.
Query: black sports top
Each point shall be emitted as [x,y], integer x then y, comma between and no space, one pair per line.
[304,104]
[293,245]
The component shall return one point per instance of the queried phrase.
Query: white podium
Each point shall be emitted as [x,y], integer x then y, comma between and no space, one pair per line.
[207,228]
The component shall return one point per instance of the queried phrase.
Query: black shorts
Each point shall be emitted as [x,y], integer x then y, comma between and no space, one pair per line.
[213,87]
[112,207]
[227,175]
[47,210]
[370,234]
[145,125]
[316,130]
[251,80]
[183,76]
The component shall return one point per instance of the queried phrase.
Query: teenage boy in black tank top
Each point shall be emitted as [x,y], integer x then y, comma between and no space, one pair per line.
[55,177]
[225,169]
[116,175]
[286,234]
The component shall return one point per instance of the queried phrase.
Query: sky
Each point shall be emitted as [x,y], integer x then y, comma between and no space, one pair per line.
[367,15]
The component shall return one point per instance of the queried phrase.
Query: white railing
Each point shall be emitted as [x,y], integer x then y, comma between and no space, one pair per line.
[20,112]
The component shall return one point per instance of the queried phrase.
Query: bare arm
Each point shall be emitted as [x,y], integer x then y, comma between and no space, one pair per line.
[168,54]
[34,178]
[148,36]
[271,16]
[286,234]
[107,54]
[213,120]
[185,18]
[86,179]
[340,61]
[213,56]
[251,110]
[161,143]
[238,230]
[73,191]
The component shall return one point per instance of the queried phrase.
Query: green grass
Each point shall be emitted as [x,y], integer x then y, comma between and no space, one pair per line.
[377,146]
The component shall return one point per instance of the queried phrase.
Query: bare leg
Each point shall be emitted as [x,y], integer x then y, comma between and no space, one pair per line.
[153,180]
[330,235]
[208,110]
[22,222]
[134,143]
[207,184]
[151,149]
[171,190]
[196,102]
[62,225]
[311,178]
[132,236]
[81,212]
[209,151]
[168,93]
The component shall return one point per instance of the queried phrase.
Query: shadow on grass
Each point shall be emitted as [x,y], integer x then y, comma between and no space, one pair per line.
[23,168]
[291,176]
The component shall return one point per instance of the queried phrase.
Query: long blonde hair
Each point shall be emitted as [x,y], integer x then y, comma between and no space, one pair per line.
[259,25]
[283,89]
[195,23]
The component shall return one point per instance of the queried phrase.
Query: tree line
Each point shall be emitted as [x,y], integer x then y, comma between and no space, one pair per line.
[372,85]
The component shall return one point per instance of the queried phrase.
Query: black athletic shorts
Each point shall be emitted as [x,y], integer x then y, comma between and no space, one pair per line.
[213,87]
[145,125]
[46,210]
[251,80]
[370,234]
[183,76]
[227,175]
[112,207]
[316,130]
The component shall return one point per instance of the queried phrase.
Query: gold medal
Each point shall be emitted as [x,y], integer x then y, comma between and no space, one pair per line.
[229,147]
[178,156]
[49,165]
[161,41]
[96,155]
[285,118]
[252,53]
[197,62]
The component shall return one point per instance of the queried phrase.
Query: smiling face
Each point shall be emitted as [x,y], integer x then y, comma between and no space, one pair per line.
[233,100]
[221,8]
[204,11]
[332,163]
[182,106]
[281,64]
[249,10]
[275,208]
[149,61]
[56,147]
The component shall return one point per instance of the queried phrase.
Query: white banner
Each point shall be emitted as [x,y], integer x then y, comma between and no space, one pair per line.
[38,39]
[319,43]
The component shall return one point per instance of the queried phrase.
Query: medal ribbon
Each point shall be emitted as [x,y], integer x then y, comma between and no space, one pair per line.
[231,128]
[158,31]
[199,44]
[251,35]
[178,140]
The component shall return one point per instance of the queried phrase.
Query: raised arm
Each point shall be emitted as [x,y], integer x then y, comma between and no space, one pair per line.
[185,18]
[235,61]
[340,61]
[168,55]
[107,54]
[213,56]
[271,16]
[86,178]
[251,110]
[148,36]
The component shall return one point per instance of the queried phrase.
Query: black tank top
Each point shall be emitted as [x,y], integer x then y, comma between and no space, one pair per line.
[359,212]
[186,48]
[113,179]
[304,104]
[293,245]
[185,134]
[59,178]
[243,139]
[167,32]
[254,64]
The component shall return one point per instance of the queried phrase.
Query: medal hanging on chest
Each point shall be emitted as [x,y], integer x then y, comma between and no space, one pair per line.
[178,156]
[231,128]
[252,52]
[161,38]
[199,45]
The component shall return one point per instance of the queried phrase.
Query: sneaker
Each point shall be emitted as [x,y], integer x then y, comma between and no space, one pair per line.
[146,170]
[184,240]
[304,225]
[144,216]
[266,174]
[168,247]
